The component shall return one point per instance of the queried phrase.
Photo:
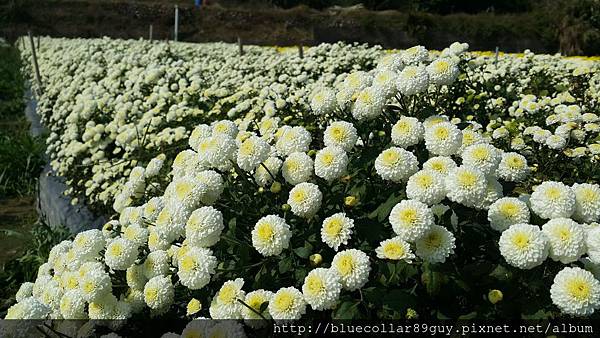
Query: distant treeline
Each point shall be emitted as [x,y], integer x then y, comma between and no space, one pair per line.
[433,6]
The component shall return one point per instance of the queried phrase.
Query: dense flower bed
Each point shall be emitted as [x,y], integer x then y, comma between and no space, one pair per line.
[353,183]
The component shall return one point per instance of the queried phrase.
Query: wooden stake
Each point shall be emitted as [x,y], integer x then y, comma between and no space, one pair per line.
[38,42]
[150,33]
[240,46]
[301,51]
[497,51]
[35,63]
[176,21]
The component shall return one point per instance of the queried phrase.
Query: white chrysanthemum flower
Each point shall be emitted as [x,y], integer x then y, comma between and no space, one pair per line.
[470,137]
[443,139]
[135,234]
[412,80]
[435,245]
[28,308]
[353,267]
[201,131]
[214,185]
[466,185]
[336,230]
[323,101]
[255,300]
[152,208]
[396,164]
[513,167]
[556,142]
[170,223]
[224,128]
[575,291]
[407,132]
[442,71]
[287,303]
[297,168]
[342,134]
[414,55]
[25,290]
[72,305]
[484,157]
[524,246]
[592,243]
[135,277]
[426,186]
[252,152]
[440,164]
[506,212]
[95,284]
[305,199]
[296,139]
[159,292]
[552,200]
[120,254]
[385,81]
[587,202]
[391,62]
[321,289]
[410,219]
[330,163]
[195,267]
[186,192]
[225,304]
[493,192]
[264,173]
[204,227]
[395,249]
[271,235]
[157,263]
[566,238]
[88,244]
[369,104]
[103,308]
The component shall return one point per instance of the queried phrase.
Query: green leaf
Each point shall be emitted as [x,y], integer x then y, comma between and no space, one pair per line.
[347,310]
[302,252]
[471,315]
[382,212]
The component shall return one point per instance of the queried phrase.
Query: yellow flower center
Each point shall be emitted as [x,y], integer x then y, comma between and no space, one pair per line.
[247,148]
[283,302]
[365,97]
[514,162]
[183,189]
[314,284]
[480,154]
[578,289]
[441,133]
[408,216]
[588,195]
[327,159]
[424,181]
[521,240]
[338,134]
[345,265]
[509,209]
[467,179]
[553,193]
[393,250]
[116,249]
[390,157]
[442,66]
[402,127]
[265,232]
[227,294]
[333,227]
[151,294]
[299,196]
[188,263]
